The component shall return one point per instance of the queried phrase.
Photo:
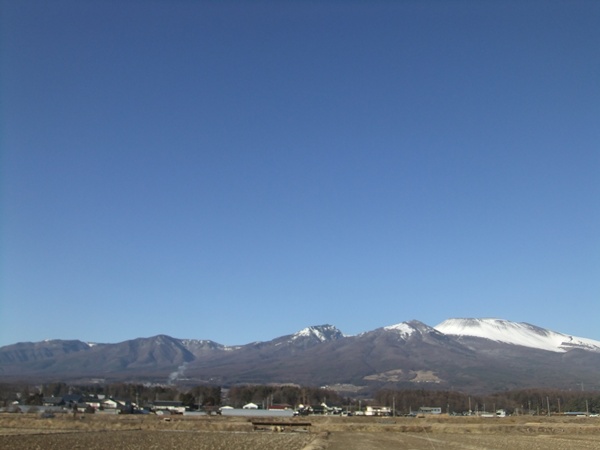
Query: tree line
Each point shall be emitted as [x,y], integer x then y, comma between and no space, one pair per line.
[193,397]
[524,401]
[34,394]
[292,395]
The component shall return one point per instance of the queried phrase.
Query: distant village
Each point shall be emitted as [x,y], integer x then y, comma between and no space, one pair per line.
[100,404]
[283,400]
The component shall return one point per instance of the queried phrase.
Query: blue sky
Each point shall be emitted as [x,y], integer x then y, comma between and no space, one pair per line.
[237,171]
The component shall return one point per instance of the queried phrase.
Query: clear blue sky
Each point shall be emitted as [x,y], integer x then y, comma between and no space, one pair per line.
[237,171]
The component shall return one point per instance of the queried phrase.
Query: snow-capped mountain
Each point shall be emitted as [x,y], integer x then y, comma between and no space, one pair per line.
[461,354]
[412,328]
[403,329]
[516,333]
[321,333]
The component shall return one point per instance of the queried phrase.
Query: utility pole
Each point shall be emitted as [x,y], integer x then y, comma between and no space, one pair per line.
[548,404]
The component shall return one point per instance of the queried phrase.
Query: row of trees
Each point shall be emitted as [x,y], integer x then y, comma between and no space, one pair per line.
[33,395]
[204,396]
[292,395]
[201,395]
[526,401]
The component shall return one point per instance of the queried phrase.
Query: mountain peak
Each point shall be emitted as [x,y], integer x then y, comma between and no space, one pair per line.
[320,332]
[407,329]
[516,333]
[403,329]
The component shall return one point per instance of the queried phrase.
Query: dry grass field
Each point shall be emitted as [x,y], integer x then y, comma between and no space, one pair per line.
[29,431]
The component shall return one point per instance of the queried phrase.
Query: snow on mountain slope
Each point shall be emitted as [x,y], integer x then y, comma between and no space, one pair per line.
[403,329]
[320,332]
[413,327]
[517,333]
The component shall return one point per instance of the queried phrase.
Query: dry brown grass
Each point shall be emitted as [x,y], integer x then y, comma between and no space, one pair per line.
[29,431]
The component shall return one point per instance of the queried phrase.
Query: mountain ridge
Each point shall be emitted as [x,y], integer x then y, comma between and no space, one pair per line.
[469,354]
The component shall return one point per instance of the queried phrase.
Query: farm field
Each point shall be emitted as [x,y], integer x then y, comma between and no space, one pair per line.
[29,431]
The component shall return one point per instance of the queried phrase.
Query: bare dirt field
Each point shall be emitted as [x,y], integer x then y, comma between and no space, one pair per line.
[29,431]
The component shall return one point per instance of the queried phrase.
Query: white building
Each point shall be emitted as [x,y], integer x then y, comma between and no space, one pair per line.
[250,406]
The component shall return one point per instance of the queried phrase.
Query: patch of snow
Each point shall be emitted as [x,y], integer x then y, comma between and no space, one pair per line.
[322,333]
[403,329]
[517,333]
[228,348]
[198,342]
[308,332]
[194,343]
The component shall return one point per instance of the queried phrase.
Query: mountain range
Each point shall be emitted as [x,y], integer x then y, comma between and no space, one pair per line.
[472,355]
